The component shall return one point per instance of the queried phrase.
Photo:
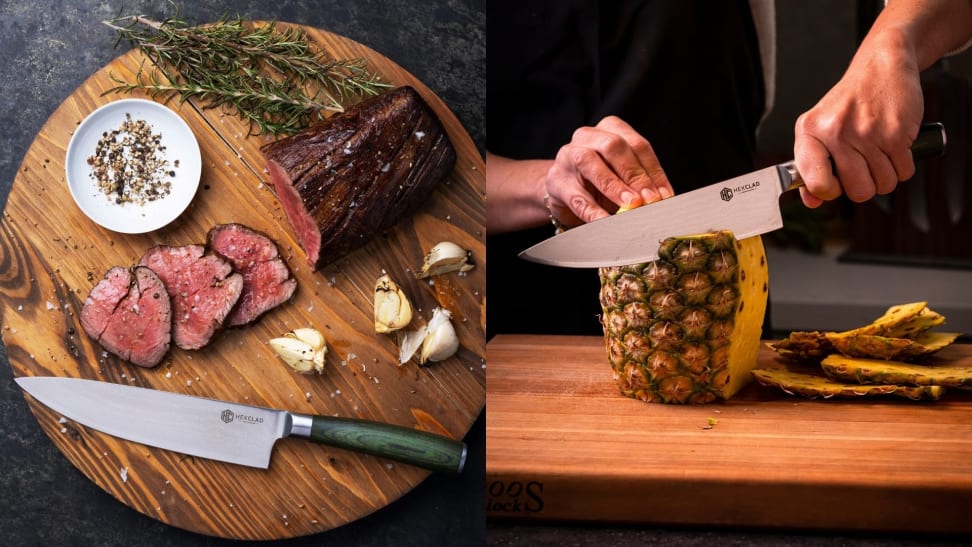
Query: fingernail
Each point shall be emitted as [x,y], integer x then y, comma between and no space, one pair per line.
[649,195]
[630,199]
[665,192]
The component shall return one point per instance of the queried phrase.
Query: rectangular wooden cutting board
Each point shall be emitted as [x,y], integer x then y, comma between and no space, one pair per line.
[563,444]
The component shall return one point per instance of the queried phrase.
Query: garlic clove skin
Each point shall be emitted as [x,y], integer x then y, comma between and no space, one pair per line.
[393,311]
[440,341]
[409,342]
[445,257]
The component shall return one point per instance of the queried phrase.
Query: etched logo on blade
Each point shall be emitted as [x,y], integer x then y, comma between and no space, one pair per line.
[728,193]
[229,416]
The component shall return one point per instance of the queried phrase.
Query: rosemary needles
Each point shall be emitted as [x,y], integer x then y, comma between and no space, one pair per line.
[273,77]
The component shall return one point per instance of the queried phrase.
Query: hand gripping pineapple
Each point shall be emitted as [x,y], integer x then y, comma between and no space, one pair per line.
[686,328]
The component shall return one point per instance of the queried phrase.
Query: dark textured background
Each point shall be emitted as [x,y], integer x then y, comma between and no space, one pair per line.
[47,49]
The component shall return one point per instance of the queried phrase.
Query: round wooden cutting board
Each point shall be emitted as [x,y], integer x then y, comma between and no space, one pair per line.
[51,255]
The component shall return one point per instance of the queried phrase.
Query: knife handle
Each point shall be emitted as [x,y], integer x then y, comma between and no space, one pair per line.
[403,444]
[929,143]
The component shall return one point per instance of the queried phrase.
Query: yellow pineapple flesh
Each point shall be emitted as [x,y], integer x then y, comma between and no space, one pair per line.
[686,328]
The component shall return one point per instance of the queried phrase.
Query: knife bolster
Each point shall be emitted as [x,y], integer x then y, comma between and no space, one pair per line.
[300,425]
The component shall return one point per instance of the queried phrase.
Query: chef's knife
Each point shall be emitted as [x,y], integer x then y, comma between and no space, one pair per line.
[230,432]
[747,205]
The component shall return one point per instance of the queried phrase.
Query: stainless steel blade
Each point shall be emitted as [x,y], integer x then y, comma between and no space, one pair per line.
[748,205]
[207,428]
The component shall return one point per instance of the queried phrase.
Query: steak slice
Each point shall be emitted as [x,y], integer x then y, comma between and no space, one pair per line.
[358,173]
[129,313]
[267,282]
[203,288]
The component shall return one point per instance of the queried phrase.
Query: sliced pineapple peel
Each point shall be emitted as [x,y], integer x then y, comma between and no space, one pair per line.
[889,348]
[900,333]
[815,386]
[877,371]
[875,359]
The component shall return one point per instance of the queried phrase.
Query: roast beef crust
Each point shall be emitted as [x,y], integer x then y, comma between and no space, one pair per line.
[360,172]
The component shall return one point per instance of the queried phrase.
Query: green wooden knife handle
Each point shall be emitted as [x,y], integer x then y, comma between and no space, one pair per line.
[402,444]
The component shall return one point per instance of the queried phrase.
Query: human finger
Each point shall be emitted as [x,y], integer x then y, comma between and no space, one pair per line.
[812,160]
[658,186]
[605,160]
[567,196]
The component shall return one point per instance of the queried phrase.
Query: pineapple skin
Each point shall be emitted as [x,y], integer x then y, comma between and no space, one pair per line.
[686,328]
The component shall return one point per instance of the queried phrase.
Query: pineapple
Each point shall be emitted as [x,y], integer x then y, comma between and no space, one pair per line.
[686,328]
[818,386]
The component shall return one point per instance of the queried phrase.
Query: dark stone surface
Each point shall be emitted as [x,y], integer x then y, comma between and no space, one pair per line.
[47,49]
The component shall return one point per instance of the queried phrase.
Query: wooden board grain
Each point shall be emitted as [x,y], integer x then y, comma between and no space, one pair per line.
[563,443]
[51,256]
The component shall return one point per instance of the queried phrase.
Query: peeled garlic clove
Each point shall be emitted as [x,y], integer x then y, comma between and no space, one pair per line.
[393,311]
[311,337]
[445,257]
[319,359]
[303,349]
[296,353]
[440,340]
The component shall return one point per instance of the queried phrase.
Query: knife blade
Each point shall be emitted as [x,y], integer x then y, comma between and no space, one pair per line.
[230,432]
[748,205]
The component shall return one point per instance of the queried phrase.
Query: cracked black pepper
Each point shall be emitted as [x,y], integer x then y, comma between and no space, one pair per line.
[129,164]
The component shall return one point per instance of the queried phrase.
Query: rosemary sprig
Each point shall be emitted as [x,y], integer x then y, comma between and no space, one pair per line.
[274,78]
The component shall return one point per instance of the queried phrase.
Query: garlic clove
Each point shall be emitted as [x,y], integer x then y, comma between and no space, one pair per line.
[319,360]
[312,337]
[393,311]
[302,349]
[440,341]
[294,352]
[445,257]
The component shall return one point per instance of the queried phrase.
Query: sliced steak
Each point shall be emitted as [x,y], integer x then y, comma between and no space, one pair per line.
[358,173]
[203,288]
[129,313]
[267,282]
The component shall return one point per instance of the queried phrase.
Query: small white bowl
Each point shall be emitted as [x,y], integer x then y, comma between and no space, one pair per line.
[180,145]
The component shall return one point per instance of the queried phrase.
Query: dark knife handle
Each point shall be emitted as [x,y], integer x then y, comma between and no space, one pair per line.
[411,446]
[929,143]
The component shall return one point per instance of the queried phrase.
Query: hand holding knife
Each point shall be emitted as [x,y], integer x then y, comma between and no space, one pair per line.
[747,205]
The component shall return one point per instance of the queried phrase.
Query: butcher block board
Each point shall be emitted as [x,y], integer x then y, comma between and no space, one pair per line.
[52,255]
[562,443]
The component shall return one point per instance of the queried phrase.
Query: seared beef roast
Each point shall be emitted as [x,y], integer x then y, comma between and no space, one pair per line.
[358,173]
[203,288]
[129,313]
[267,282]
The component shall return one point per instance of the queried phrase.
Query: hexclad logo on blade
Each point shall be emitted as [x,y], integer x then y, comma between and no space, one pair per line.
[726,194]
[227,416]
